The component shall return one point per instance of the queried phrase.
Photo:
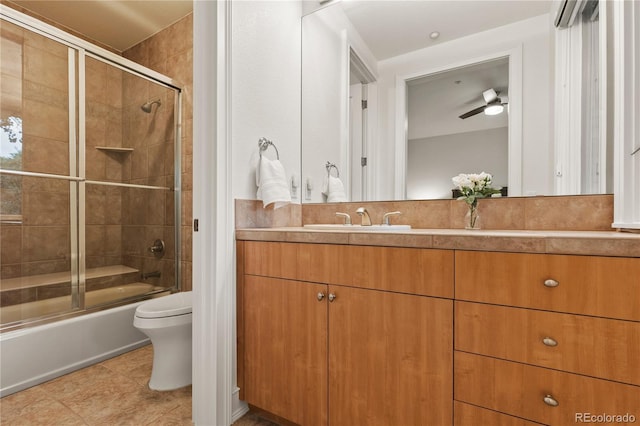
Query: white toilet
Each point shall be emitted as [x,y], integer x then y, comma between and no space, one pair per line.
[167,322]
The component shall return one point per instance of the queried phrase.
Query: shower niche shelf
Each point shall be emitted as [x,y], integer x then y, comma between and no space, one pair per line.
[114,149]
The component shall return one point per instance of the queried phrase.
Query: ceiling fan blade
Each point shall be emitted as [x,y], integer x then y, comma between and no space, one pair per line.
[489,95]
[473,112]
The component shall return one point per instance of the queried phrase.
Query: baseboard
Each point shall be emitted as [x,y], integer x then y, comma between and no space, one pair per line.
[239,408]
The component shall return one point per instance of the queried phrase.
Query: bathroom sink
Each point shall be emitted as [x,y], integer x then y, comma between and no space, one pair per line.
[358,228]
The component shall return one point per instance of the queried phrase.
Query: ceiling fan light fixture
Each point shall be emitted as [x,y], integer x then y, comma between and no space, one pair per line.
[493,109]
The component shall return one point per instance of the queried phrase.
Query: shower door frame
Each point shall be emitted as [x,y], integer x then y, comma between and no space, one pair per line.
[77,168]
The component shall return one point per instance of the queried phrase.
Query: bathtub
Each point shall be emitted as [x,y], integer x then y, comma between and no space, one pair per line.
[36,354]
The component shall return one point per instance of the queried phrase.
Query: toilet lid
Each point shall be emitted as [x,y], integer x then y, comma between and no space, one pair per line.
[167,306]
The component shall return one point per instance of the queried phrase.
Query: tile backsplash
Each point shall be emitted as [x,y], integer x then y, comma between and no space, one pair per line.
[562,213]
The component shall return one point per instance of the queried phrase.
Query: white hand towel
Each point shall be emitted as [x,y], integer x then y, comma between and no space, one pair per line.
[334,190]
[272,183]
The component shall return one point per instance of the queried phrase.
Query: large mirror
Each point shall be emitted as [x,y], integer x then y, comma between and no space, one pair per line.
[387,85]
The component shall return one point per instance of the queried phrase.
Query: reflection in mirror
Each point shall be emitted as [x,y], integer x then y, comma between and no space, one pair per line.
[392,39]
[451,129]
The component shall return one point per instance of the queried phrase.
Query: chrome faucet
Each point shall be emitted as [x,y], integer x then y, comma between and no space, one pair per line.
[347,218]
[385,218]
[366,220]
[157,248]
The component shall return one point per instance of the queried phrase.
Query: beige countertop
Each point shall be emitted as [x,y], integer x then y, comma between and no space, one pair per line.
[595,243]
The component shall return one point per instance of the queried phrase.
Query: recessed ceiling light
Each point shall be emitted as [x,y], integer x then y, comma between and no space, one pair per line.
[434,35]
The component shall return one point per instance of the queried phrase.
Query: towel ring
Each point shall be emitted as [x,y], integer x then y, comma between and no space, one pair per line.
[330,166]
[264,144]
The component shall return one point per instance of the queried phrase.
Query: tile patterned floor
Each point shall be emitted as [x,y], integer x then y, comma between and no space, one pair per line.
[113,392]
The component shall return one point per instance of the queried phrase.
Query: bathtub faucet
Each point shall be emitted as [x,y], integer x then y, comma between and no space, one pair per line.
[154,274]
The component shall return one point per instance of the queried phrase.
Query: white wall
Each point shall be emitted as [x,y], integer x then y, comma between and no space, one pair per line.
[324,112]
[536,38]
[433,161]
[327,36]
[265,87]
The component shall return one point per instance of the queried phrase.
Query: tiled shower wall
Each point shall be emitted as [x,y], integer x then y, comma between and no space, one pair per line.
[170,52]
[121,222]
[103,127]
[35,88]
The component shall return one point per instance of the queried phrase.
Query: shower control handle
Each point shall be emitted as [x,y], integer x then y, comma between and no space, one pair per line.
[157,247]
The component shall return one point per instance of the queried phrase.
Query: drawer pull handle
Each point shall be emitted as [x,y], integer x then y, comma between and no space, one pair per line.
[320,297]
[548,341]
[549,400]
[551,283]
[332,297]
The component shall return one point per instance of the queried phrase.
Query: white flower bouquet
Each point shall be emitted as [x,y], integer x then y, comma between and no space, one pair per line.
[474,186]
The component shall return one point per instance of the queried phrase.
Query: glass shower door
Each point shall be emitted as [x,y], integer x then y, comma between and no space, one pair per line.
[38,184]
[130,233]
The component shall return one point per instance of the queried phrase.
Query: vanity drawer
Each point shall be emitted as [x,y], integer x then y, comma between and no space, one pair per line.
[605,348]
[520,390]
[470,415]
[591,285]
[406,270]
[270,259]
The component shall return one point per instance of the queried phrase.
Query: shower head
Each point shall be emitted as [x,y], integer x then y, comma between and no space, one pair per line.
[146,107]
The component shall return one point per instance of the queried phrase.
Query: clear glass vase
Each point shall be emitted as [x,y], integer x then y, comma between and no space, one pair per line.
[472,218]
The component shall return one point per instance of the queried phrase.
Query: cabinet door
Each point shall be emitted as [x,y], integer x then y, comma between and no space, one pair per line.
[390,358]
[285,344]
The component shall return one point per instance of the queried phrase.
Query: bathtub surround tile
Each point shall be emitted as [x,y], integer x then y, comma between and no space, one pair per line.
[45,155]
[170,52]
[44,93]
[45,209]
[10,244]
[40,42]
[15,297]
[46,267]
[44,120]
[187,208]
[45,67]
[41,243]
[186,276]
[10,271]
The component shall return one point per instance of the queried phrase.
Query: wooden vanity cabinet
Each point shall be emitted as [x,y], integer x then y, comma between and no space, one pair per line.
[547,338]
[351,355]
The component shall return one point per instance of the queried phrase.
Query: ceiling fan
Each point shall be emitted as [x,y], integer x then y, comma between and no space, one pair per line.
[494,105]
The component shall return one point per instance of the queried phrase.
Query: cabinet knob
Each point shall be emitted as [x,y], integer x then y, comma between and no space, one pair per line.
[320,296]
[551,401]
[332,297]
[548,341]
[551,283]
